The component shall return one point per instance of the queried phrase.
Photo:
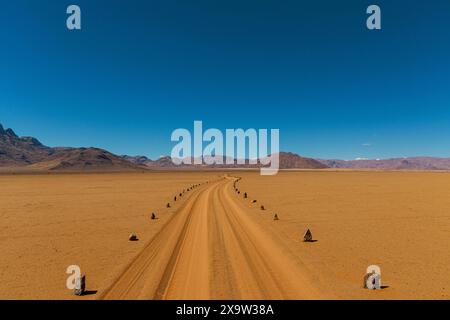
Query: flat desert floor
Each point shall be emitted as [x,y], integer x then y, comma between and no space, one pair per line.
[212,243]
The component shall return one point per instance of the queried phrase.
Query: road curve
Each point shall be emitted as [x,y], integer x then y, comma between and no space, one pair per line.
[212,249]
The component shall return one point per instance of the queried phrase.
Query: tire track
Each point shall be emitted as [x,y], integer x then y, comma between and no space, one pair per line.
[144,277]
[212,249]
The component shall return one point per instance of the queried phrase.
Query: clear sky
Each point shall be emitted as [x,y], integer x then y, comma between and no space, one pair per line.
[140,69]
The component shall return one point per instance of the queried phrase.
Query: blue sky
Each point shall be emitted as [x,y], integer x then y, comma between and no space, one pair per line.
[140,69]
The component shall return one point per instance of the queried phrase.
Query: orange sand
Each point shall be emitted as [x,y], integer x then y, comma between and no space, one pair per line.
[221,246]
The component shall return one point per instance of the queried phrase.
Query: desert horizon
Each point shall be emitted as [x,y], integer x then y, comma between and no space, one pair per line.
[28,155]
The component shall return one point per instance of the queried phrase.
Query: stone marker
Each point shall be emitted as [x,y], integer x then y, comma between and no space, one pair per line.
[133,237]
[308,236]
[80,285]
[275,217]
[153,216]
[262,208]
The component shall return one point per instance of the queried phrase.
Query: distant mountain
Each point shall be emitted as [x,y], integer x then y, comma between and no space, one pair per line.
[139,160]
[30,154]
[413,163]
[163,162]
[85,159]
[289,160]
[20,151]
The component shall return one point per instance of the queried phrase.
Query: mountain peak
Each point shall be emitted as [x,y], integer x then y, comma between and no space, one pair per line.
[8,132]
[11,133]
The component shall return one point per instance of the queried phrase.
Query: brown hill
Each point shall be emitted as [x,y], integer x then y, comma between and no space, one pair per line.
[139,160]
[20,151]
[85,159]
[289,160]
[28,153]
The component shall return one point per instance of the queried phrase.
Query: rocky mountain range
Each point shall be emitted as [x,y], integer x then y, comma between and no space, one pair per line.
[28,153]
[412,163]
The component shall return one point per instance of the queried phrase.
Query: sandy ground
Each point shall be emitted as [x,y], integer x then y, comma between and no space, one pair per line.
[399,221]
[212,249]
[48,222]
[216,244]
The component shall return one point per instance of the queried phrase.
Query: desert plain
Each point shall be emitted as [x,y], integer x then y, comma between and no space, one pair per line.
[212,243]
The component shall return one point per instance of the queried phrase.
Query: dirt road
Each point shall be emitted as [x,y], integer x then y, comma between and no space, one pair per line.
[213,249]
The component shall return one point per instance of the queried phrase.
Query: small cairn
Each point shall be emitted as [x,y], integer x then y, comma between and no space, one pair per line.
[262,208]
[168,205]
[153,217]
[80,285]
[245,195]
[254,201]
[366,278]
[180,194]
[133,237]
[308,236]
[275,217]
[175,198]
